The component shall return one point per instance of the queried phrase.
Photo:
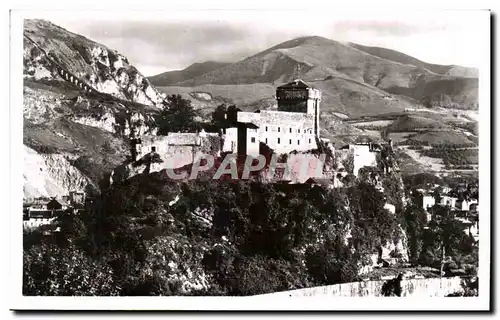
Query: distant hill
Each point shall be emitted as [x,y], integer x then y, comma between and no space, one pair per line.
[194,70]
[399,57]
[370,69]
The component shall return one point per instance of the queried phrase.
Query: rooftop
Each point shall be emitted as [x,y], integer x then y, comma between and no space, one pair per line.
[295,84]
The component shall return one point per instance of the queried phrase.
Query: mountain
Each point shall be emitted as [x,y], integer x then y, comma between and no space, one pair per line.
[393,75]
[81,101]
[50,49]
[194,70]
[392,55]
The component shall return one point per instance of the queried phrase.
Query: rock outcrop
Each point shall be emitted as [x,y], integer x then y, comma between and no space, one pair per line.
[50,175]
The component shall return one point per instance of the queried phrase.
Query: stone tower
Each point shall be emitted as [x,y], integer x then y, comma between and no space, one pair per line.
[297,96]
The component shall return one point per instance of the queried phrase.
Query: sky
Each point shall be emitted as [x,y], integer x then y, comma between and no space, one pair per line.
[156,42]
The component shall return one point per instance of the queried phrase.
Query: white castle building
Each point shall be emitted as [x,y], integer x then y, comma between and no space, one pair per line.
[295,126]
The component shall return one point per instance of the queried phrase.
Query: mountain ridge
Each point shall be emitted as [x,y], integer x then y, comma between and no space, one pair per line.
[317,59]
[193,70]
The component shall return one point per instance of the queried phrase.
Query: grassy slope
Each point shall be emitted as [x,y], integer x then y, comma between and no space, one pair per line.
[442,137]
[400,57]
[338,95]
[318,58]
[354,75]
[194,70]
[408,123]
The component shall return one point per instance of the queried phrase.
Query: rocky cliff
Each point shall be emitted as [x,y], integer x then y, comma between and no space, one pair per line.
[49,48]
[82,100]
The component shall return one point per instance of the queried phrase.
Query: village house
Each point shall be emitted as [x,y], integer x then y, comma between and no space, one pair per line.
[37,213]
[464,204]
[425,201]
[448,201]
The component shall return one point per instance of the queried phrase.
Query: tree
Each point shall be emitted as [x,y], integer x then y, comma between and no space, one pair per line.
[219,116]
[444,235]
[177,115]
[224,116]
[348,163]
[414,220]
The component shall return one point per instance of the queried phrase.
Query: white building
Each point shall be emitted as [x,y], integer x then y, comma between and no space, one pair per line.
[364,156]
[33,223]
[448,201]
[295,126]
[427,202]
[390,207]
[464,205]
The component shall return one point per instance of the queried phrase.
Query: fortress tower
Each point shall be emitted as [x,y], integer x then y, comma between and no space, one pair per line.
[297,96]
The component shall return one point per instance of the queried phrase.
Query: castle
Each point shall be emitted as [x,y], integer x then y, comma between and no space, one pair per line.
[295,126]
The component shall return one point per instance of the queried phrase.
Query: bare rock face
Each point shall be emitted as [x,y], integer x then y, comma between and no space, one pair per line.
[50,175]
[49,48]
[395,251]
[82,101]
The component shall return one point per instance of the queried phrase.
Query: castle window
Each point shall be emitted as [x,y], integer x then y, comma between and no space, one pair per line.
[266,140]
[279,129]
[290,130]
[309,141]
[266,128]
[278,140]
[252,140]
[298,130]
[153,149]
[290,142]
[298,141]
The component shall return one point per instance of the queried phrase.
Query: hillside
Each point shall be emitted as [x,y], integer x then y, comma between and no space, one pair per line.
[442,138]
[409,123]
[81,101]
[194,70]
[393,55]
[319,60]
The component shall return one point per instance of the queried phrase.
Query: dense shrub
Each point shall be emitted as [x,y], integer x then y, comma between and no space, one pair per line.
[152,236]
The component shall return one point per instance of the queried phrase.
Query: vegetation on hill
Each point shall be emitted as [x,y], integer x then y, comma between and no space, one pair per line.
[148,237]
[408,123]
[399,57]
[177,115]
[447,138]
[440,243]
[453,157]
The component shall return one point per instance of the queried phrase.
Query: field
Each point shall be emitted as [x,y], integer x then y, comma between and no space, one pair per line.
[453,157]
[374,124]
[441,138]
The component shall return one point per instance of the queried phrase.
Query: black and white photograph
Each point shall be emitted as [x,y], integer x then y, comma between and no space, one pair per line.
[288,159]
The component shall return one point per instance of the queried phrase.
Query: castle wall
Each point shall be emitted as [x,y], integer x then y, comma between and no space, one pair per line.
[253,142]
[230,138]
[363,157]
[430,287]
[178,149]
[284,132]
